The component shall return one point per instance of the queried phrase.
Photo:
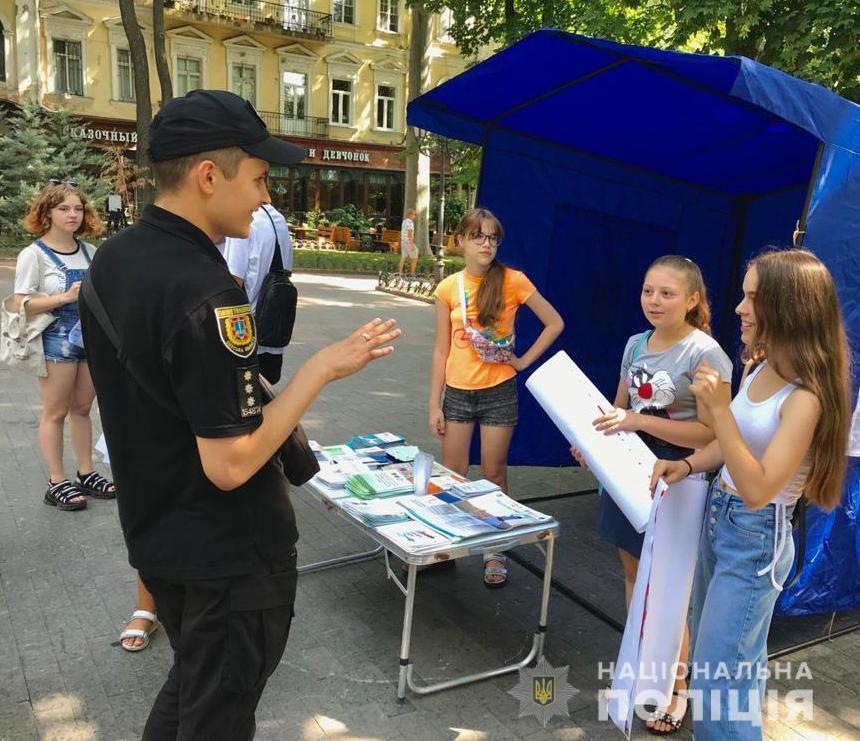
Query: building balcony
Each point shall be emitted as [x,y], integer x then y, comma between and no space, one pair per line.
[310,127]
[257,15]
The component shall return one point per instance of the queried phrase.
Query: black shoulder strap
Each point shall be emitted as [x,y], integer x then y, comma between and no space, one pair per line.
[277,263]
[95,305]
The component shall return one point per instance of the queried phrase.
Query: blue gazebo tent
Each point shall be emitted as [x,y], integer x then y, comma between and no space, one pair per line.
[599,156]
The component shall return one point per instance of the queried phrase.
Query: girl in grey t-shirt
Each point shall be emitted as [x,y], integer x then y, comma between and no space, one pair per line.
[654,400]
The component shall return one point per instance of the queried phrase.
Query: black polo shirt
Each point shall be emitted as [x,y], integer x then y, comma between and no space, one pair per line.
[187,326]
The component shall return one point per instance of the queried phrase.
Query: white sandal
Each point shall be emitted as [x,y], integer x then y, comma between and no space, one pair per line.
[137,632]
[496,571]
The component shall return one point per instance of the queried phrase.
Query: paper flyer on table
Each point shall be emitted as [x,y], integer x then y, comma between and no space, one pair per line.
[621,462]
[644,670]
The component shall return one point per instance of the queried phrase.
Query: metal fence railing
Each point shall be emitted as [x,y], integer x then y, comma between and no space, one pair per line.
[290,19]
[311,127]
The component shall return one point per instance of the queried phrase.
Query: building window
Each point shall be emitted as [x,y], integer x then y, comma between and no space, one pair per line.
[388,19]
[125,75]
[295,92]
[243,82]
[385,107]
[343,11]
[68,67]
[188,75]
[341,99]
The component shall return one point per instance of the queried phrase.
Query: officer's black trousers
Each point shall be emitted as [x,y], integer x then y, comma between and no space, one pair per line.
[228,636]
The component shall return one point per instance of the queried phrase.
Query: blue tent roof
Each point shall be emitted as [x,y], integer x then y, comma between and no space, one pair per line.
[727,124]
[598,157]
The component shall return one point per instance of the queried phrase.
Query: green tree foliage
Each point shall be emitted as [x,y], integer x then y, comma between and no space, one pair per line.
[350,217]
[813,40]
[35,146]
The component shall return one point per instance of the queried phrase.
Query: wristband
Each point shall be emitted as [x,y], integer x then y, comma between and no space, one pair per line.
[689,465]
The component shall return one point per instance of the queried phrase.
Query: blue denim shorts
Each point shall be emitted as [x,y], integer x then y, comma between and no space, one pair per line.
[55,341]
[495,406]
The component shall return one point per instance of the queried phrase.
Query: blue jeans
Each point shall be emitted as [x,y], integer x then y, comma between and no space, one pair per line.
[732,606]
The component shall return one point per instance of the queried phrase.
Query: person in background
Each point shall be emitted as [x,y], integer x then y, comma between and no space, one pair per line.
[474,368]
[50,269]
[408,248]
[249,261]
[782,437]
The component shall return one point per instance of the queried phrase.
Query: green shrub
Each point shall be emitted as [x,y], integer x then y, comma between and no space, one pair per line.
[350,217]
[364,262]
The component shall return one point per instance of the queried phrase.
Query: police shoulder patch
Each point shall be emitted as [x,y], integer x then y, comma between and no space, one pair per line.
[250,396]
[236,329]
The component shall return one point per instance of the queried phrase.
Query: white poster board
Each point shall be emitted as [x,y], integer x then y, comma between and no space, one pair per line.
[621,461]
[645,669]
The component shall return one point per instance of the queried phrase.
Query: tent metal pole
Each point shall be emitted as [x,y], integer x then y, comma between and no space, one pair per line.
[804,214]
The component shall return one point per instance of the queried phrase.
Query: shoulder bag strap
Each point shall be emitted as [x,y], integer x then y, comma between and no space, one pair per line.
[639,345]
[277,263]
[95,305]
[462,299]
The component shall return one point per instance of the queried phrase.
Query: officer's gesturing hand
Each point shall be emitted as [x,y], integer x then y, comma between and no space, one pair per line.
[351,354]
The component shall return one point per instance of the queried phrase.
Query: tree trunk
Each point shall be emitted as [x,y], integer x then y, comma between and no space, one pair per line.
[510,23]
[417,193]
[161,66]
[137,51]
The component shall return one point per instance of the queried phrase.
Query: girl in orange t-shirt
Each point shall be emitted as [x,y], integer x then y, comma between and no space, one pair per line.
[473,377]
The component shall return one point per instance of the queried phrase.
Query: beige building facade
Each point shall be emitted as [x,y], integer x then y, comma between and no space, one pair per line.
[330,75]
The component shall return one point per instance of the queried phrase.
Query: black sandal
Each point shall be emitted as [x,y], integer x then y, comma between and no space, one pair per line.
[673,722]
[96,486]
[62,495]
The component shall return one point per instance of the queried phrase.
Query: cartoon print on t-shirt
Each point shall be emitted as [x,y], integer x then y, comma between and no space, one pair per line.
[652,391]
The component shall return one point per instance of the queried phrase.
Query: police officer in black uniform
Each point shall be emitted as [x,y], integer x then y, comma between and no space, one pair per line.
[204,506]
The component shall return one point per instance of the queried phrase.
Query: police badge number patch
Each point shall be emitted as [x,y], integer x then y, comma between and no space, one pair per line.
[236,329]
[250,396]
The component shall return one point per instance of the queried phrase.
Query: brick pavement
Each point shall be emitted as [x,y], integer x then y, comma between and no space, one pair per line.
[66,590]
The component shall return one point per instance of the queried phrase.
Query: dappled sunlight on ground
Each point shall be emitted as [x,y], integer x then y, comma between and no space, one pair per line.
[56,718]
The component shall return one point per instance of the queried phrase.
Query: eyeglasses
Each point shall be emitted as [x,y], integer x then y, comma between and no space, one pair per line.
[482,238]
[58,181]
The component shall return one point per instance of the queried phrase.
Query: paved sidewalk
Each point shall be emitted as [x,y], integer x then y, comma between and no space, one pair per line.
[66,590]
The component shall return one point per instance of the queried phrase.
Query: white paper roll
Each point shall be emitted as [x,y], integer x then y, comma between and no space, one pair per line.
[621,462]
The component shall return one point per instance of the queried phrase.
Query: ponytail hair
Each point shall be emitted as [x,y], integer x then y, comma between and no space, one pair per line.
[798,319]
[490,299]
[700,315]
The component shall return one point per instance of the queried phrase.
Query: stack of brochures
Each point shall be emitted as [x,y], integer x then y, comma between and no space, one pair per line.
[375,512]
[459,518]
[468,489]
[376,440]
[378,484]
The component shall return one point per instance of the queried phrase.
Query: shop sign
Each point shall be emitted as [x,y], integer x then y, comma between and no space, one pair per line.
[343,155]
[93,133]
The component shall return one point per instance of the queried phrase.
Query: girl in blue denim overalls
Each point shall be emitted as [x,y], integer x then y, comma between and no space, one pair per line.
[50,271]
[784,435]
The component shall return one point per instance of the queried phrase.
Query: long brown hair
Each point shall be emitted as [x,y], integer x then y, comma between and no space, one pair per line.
[38,218]
[700,315]
[490,299]
[797,317]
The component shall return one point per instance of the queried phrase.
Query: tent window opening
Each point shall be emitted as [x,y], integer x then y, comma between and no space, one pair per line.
[68,67]
[188,74]
[124,75]
[388,19]
[384,107]
[341,100]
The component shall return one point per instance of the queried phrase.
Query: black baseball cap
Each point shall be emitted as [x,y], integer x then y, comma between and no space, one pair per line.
[215,119]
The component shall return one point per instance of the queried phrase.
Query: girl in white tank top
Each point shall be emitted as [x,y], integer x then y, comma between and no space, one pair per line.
[784,435]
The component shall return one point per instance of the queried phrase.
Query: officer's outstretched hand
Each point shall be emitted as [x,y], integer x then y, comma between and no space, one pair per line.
[369,342]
